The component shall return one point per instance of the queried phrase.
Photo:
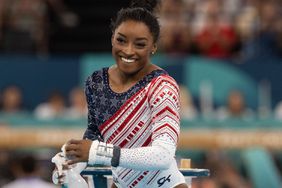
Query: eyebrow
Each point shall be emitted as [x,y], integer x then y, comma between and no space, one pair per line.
[140,38]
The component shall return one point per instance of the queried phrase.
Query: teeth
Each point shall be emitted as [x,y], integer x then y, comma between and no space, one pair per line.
[127,60]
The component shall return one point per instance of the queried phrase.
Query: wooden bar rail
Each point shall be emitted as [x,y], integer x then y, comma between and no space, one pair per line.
[99,177]
[12,138]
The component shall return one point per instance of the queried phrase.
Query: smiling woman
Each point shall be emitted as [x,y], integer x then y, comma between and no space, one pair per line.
[133,108]
[132,46]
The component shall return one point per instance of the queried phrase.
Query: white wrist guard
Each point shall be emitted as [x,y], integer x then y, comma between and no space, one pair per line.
[104,154]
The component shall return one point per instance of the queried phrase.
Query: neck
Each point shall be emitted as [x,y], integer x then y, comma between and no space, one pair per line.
[121,82]
[134,77]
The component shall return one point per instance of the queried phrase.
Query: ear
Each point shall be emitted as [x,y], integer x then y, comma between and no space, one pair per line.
[154,48]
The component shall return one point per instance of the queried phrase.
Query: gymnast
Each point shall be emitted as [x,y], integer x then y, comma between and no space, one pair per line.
[133,108]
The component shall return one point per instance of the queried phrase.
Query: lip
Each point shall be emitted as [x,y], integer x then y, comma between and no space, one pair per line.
[128,60]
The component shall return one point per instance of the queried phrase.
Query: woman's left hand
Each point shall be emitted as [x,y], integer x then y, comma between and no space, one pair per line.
[77,151]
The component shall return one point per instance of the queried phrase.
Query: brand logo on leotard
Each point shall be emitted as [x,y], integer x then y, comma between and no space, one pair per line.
[162,180]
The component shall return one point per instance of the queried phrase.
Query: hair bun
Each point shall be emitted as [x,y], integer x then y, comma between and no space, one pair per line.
[146,4]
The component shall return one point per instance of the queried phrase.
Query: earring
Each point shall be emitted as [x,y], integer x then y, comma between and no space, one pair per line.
[153,52]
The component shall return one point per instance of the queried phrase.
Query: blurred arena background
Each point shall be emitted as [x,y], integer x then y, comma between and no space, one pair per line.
[225,54]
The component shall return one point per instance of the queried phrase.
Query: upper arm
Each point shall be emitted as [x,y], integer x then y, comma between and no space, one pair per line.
[92,132]
[165,106]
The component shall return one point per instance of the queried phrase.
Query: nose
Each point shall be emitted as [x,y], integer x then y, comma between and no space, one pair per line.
[129,49]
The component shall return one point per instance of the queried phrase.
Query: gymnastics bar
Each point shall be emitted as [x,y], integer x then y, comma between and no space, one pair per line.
[98,177]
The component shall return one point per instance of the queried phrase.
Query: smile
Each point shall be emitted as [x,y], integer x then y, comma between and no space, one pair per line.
[127,60]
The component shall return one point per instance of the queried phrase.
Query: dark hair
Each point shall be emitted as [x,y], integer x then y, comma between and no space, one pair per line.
[142,11]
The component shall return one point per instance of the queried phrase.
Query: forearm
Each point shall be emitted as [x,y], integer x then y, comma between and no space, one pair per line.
[149,158]
[155,157]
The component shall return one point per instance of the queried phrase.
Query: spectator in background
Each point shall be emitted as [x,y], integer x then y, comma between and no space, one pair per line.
[260,28]
[26,172]
[12,100]
[235,107]
[278,111]
[246,25]
[176,38]
[270,29]
[24,24]
[187,108]
[231,8]
[5,174]
[217,37]
[78,105]
[226,176]
[53,108]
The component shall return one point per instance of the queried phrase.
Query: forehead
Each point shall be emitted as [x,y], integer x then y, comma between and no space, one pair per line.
[134,28]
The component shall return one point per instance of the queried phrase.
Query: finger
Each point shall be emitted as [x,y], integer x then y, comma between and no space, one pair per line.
[74,161]
[71,147]
[73,153]
[73,141]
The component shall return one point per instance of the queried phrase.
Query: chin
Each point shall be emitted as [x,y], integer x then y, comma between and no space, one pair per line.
[129,68]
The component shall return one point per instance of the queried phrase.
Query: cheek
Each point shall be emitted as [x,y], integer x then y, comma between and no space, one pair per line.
[114,50]
[145,52]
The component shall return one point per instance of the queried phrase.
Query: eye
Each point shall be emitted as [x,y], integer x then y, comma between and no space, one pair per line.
[120,40]
[140,45]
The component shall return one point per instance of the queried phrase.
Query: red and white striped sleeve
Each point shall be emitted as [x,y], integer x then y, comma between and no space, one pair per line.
[163,98]
[165,108]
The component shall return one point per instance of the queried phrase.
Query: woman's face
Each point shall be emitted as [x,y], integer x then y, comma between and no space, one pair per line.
[132,46]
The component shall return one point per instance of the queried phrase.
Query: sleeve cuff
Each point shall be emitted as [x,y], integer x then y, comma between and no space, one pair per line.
[116,157]
[93,152]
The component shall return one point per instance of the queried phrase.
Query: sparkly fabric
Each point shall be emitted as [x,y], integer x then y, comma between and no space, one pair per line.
[144,122]
[159,156]
[103,102]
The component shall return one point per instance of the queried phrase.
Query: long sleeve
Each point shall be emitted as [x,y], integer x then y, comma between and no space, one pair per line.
[163,99]
[92,132]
